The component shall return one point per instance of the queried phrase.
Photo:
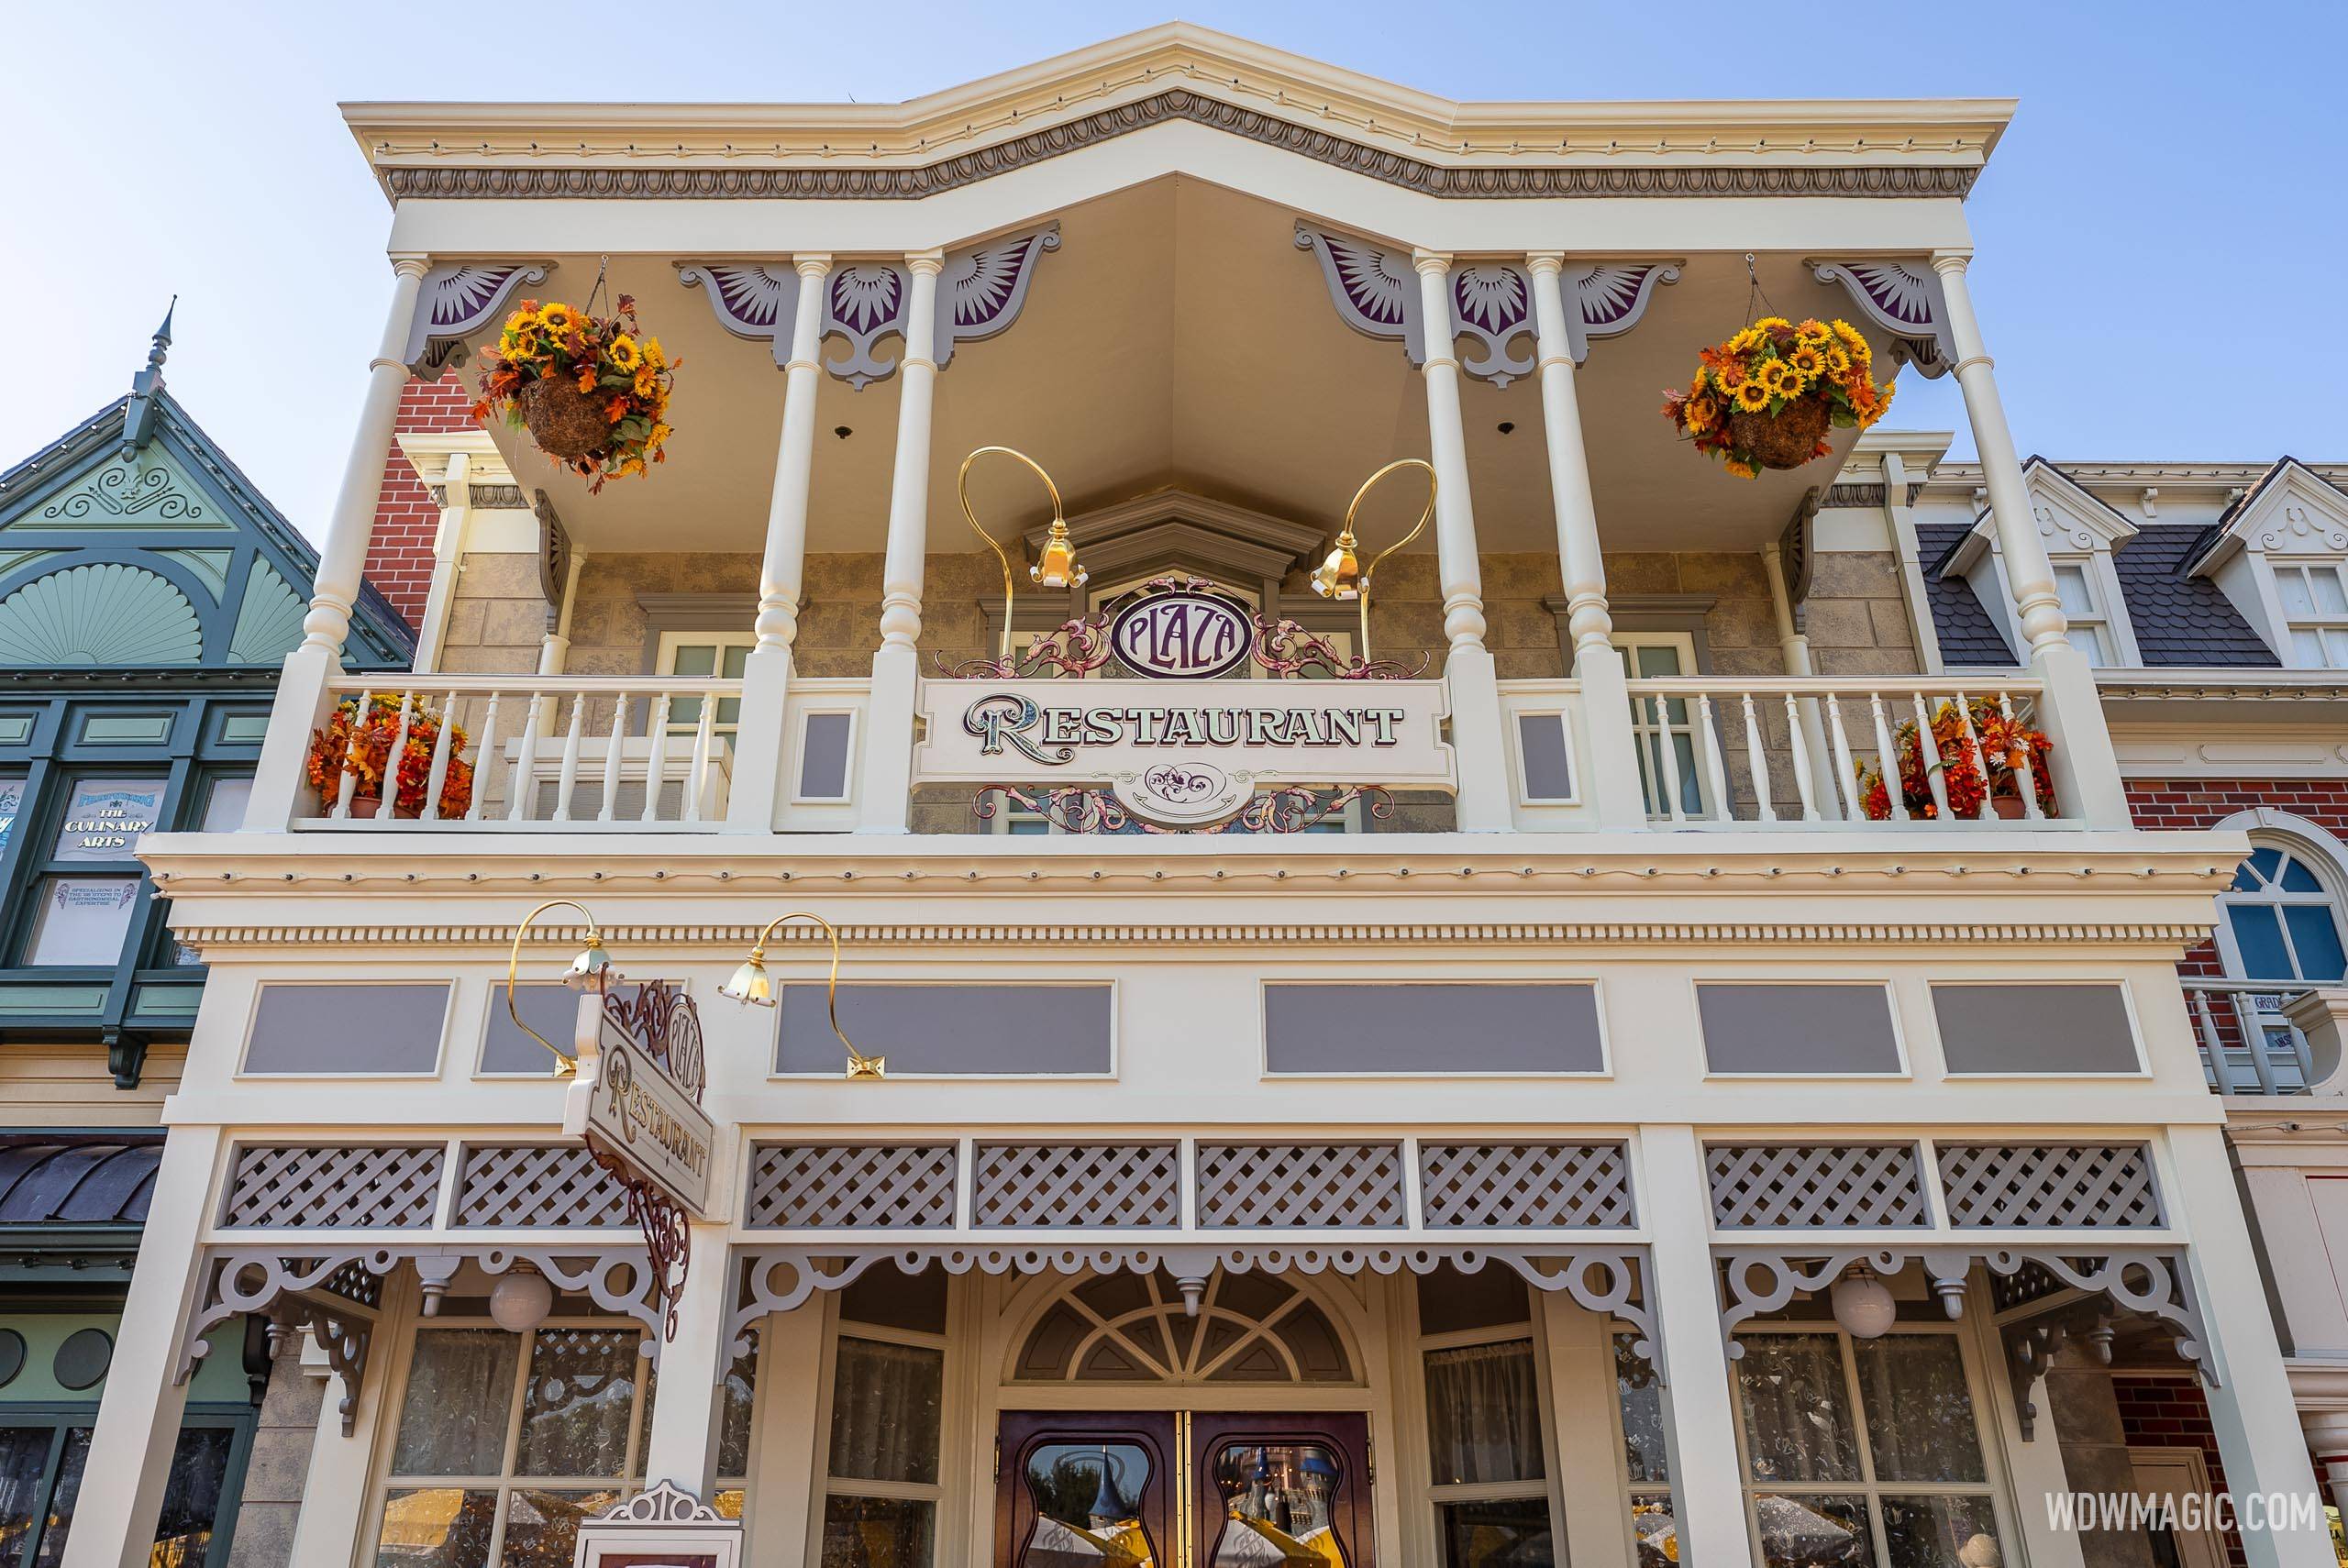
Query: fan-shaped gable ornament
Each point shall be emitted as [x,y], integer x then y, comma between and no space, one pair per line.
[104,614]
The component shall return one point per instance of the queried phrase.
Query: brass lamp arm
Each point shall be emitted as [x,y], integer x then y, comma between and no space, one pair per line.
[962,488]
[564,1067]
[859,1065]
[1378,559]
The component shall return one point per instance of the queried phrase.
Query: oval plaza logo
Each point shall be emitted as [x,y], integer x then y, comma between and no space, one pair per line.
[1183,635]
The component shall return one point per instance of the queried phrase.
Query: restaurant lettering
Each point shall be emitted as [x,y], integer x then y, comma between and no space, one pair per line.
[1051,734]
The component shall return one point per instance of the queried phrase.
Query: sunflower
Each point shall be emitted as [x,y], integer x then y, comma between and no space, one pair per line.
[647,377]
[1807,360]
[1730,377]
[1770,323]
[1811,332]
[1741,470]
[1848,336]
[1752,397]
[1838,362]
[653,354]
[1745,341]
[1772,375]
[623,353]
[1701,414]
[558,318]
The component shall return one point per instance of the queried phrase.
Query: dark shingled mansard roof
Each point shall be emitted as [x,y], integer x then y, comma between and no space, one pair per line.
[69,1178]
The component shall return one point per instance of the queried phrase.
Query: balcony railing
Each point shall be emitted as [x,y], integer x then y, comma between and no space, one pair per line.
[1708,753]
[1718,752]
[2247,1045]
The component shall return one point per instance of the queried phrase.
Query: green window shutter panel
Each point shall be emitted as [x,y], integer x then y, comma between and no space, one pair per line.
[269,622]
[210,567]
[104,614]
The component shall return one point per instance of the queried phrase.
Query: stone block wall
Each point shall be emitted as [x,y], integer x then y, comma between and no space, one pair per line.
[280,1465]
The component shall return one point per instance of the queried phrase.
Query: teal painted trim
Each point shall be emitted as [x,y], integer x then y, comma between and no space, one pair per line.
[243,729]
[15,728]
[269,622]
[105,613]
[20,1000]
[126,729]
[161,1000]
[210,567]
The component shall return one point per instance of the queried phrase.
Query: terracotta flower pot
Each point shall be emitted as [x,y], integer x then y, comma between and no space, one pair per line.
[2009,807]
[1785,440]
[366,807]
[566,423]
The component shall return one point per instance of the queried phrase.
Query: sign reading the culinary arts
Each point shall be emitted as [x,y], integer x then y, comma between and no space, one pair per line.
[1189,754]
[1182,636]
[636,1099]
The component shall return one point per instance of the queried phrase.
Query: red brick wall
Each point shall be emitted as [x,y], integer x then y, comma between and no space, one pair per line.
[2169,1412]
[2185,803]
[399,558]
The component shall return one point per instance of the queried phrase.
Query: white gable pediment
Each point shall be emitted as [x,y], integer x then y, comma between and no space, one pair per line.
[2291,513]
[2071,522]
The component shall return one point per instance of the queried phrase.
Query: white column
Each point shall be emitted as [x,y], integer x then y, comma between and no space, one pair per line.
[682,1448]
[2257,1422]
[1612,764]
[896,668]
[448,553]
[2087,773]
[138,1414]
[1585,1466]
[1793,648]
[788,1459]
[1683,1296]
[1900,519]
[334,1489]
[300,702]
[2327,1434]
[1483,804]
[554,648]
[766,672]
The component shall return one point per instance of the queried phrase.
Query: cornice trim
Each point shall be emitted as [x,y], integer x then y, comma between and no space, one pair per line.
[1177,104]
[1639,933]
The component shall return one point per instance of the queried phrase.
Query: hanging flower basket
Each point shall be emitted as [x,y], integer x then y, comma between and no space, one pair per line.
[1988,763]
[1766,398]
[361,748]
[592,391]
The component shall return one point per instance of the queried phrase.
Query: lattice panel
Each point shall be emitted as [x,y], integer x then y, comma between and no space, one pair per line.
[1071,1186]
[559,1187]
[1816,1187]
[386,1185]
[864,1187]
[1307,1186]
[1548,1186]
[2049,1186]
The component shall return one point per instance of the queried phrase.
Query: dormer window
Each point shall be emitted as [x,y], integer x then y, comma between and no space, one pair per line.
[2314,596]
[2082,534]
[2074,582]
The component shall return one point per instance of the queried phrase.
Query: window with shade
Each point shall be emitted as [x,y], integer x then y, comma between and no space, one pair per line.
[1864,1451]
[887,1399]
[2314,596]
[1646,1460]
[2090,619]
[507,1442]
[1488,1456]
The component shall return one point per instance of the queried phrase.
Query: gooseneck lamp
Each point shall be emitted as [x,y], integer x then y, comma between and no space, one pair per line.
[1057,567]
[751,984]
[586,969]
[1342,575]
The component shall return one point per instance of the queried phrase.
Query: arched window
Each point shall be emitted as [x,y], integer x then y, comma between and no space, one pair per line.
[1135,1327]
[2284,917]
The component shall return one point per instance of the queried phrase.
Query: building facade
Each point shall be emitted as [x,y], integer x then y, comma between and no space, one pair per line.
[1568,1110]
[149,594]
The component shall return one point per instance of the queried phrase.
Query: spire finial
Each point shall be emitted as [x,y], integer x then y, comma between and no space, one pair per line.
[138,414]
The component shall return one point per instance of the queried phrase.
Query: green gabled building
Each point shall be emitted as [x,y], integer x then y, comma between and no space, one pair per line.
[149,594]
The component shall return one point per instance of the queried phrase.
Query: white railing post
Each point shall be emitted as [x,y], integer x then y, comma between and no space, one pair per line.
[697,780]
[655,760]
[347,784]
[1846,767]
[484,754]
[2026,774]
[525,785]
[614,754]
[1887,759]
[1667,745]
[1756,757]
[568,781]
[1805,780]
[438,776]
[1708,741]
[1928,750]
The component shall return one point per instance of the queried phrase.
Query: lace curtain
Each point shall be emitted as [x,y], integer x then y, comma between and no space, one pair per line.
[885,1411]
[1484,1414]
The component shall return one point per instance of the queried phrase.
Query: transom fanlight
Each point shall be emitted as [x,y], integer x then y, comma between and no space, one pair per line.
[104,614]
[1135,1327]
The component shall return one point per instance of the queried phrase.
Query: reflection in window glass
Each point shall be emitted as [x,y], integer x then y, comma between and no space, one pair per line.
[1657,1530]
[436,1525]
[1645,1449]
[877,1532]
[542,1525]
[1088,1499]
[82,920]
[1797,1410]
[62,1501]
[192,1496]
[1484,1414]
[885,1402]
[1279,1505]
[12,806]
[1812,1531]
[1939,1532]
[224,807]
[459,1393]
[1920,1413]
[577,1405]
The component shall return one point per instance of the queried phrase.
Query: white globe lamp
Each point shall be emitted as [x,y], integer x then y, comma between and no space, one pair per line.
[1862,1304]
[521,1299]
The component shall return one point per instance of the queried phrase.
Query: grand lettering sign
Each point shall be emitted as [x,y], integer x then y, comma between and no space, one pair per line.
[1187,754]
[636,1099]
[1184,634]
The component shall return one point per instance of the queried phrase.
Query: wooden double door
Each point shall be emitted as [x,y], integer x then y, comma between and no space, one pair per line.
[1182,1489]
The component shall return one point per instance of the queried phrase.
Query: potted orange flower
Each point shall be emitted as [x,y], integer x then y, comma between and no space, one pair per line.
[361,748]
[592,391]
[1990,766]
[1766,398]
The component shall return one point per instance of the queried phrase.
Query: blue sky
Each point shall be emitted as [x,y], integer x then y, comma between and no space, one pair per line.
[2158,237]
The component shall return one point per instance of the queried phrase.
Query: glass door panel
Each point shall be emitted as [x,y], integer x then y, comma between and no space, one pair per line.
[1085,1491]
[1280,1490]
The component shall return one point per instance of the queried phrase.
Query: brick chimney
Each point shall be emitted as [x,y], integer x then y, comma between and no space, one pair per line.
[399,558]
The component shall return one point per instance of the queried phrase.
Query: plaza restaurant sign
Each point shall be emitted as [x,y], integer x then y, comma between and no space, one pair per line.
[1189,741]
